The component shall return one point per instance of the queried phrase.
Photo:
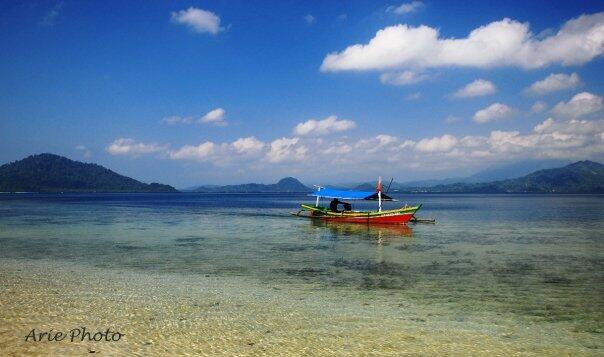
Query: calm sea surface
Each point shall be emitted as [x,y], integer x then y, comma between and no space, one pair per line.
[515,260]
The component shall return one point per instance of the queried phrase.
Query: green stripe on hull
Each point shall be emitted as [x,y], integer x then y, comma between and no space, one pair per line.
[325,211]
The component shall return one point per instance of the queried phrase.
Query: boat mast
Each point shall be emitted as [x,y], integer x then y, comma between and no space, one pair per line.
[318,197]
[379,190]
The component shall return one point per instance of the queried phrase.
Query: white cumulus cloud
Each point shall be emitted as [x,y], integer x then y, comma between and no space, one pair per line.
[501,43]
[573,126]
[331,124]
[215,117]
[437,144]
[198,20]
[248,145]
[554,82]
[380,143]
[476,88]
[286,150]
[194,152]
[131,147]
[580,105]
[405,8]
[493,112]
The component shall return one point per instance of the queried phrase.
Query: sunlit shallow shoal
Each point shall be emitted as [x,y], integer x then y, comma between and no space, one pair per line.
[197,315]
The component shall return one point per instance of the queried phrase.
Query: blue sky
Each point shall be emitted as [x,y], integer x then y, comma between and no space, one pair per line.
[188,93]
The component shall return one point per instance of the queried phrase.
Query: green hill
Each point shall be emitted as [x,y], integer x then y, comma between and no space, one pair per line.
[53,173]
[287,184]
[580,177]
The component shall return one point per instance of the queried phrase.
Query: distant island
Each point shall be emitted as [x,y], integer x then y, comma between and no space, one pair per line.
[285,185]
[54,173]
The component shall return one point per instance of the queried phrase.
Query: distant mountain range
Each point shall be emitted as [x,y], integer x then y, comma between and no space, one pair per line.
[53,173]
[580,177]
[287,184]
[514,170]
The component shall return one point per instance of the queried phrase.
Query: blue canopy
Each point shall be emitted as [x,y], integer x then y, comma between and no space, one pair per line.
[348,195]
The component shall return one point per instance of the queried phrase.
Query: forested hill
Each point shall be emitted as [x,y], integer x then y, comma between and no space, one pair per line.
[54,173]
[579,177]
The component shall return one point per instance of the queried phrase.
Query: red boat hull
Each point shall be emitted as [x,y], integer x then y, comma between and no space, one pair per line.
[388,219]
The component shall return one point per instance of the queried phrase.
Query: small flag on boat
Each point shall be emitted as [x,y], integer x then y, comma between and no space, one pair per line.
[379,185]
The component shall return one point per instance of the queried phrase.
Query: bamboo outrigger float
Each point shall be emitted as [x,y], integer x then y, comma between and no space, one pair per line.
[394,216]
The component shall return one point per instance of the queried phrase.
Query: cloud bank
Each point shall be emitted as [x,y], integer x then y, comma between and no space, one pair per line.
[566,135]
[560,139]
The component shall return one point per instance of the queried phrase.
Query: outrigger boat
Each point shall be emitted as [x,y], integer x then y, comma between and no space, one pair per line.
[394,216]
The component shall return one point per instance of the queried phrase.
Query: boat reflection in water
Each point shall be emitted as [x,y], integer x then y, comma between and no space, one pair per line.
[374,231]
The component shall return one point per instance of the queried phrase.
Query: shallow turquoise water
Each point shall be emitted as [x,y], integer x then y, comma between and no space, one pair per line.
[534,258]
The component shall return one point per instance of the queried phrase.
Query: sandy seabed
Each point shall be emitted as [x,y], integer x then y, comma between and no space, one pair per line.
[174,314]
